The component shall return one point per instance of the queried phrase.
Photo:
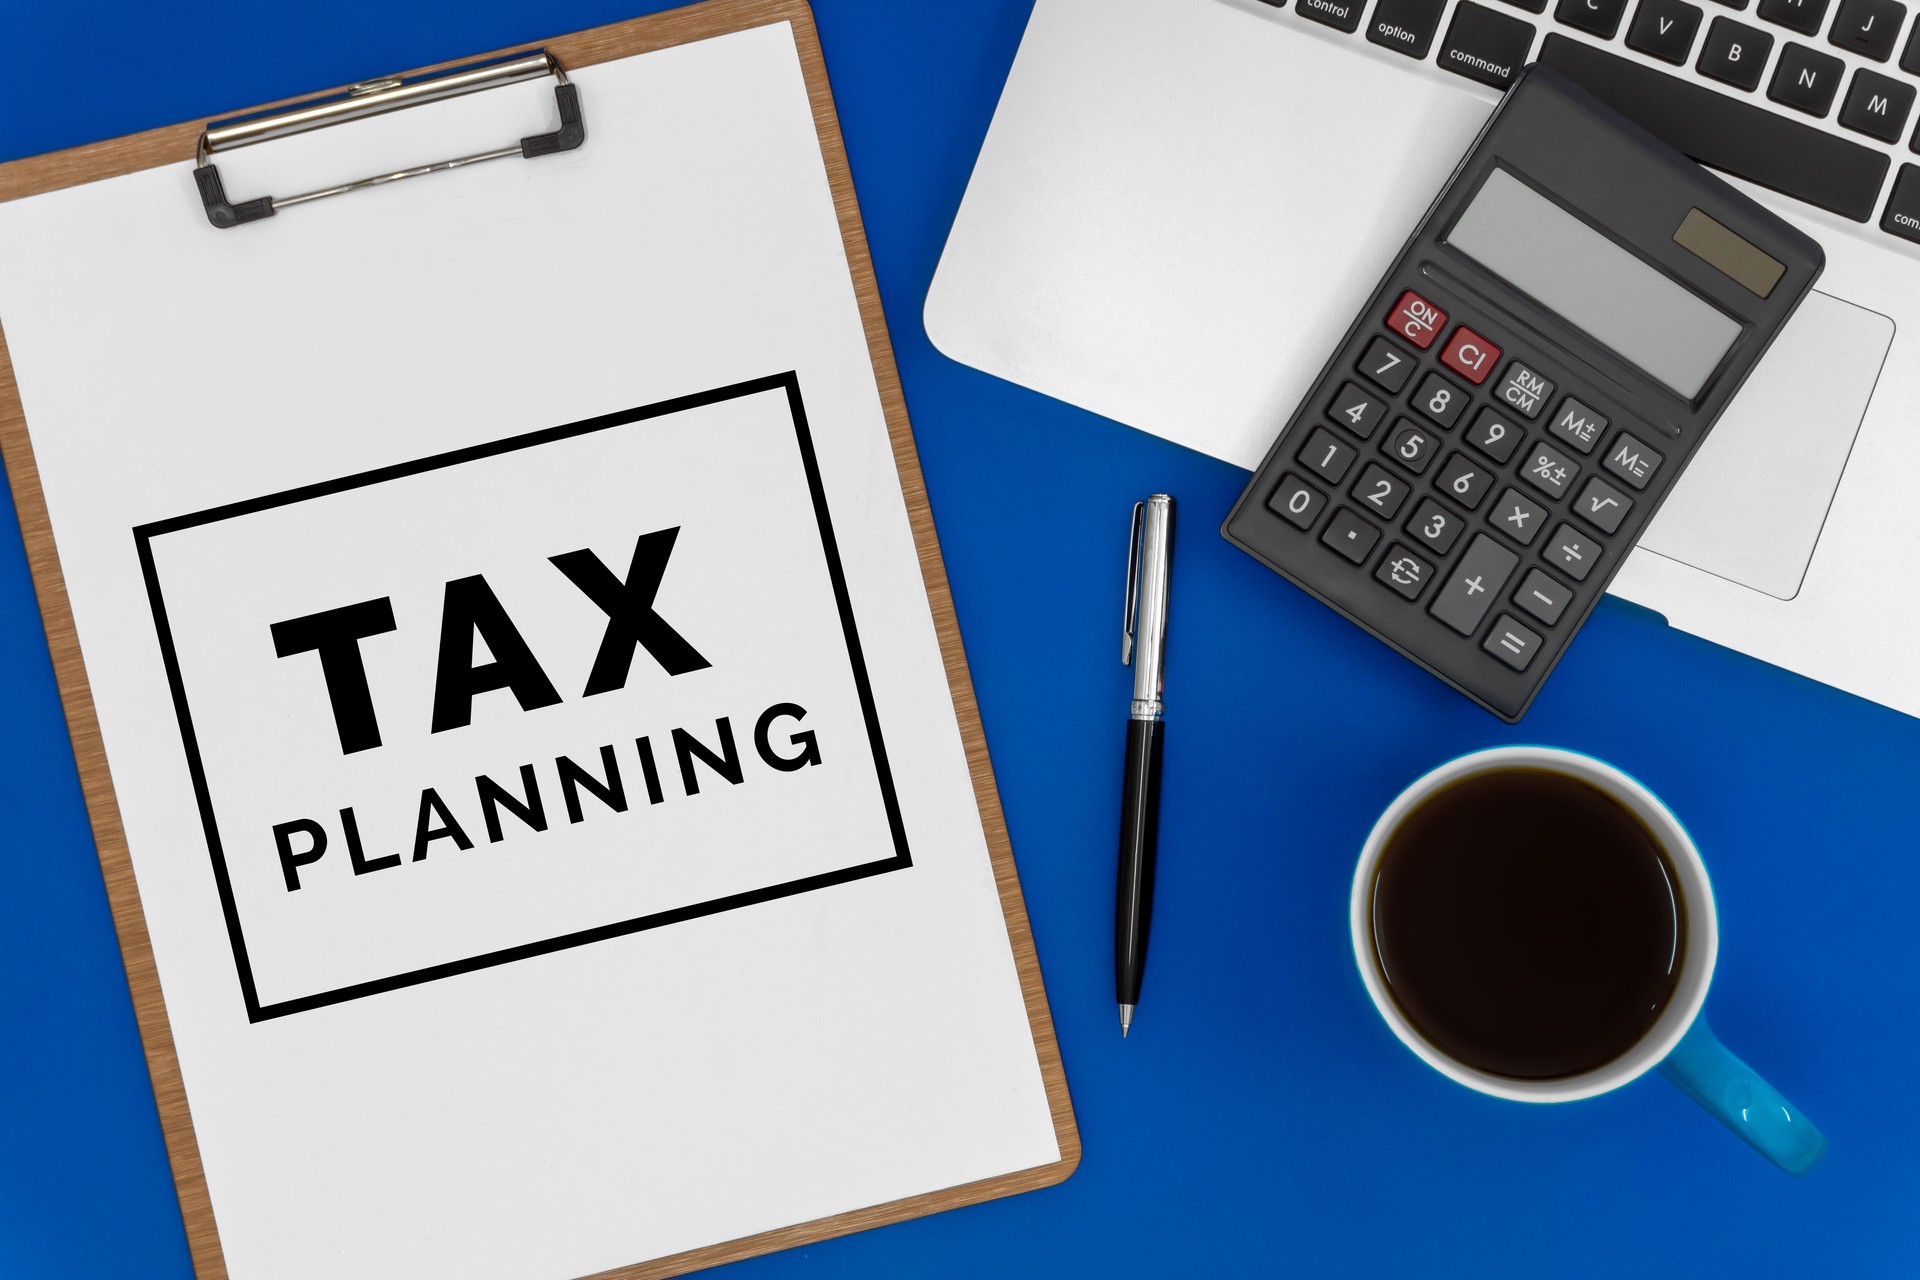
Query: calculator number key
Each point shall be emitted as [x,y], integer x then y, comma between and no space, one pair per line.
[1543,597]
[1474,584]
[1572,551]
[1602,505]
[1512,643]
[1416,319]
[1549,471]
[1403,573]
[1440,400]
[1296,502]
[1386,365]
[1381,491]
[1632,461]
[1519,517]
[1349,535]
[1328,455]
[1523,390]
[1470,355]
[1464,480]
[1578,425]
[1355,410]
[1436,526]
[1412,447]
[1494,435]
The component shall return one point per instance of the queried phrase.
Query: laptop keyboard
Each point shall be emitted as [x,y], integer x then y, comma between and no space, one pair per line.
[1803,97]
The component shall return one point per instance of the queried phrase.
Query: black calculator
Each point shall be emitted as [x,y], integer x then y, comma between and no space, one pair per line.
[1524,387]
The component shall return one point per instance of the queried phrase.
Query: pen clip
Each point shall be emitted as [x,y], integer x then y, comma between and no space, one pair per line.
[1133,582]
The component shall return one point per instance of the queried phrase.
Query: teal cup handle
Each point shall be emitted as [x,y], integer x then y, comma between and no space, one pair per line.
[1715,1077]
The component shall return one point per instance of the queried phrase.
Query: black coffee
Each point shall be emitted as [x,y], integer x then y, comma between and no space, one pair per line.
[1527,924]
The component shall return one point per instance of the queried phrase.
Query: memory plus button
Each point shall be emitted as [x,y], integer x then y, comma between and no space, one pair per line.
[1474,584]
[1406,26]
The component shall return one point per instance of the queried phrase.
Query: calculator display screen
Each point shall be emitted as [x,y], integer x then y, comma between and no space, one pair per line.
[1539,248]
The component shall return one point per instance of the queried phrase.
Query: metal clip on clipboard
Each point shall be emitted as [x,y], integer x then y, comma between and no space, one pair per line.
[377,97]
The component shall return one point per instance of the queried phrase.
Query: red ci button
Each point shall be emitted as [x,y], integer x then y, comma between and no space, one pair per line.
[1416,319]
[1470,355]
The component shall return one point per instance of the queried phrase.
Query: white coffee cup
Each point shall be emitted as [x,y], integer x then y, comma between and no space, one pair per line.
[1679,1042]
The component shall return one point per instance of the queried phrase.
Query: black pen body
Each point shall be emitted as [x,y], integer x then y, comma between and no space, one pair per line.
[1139,834]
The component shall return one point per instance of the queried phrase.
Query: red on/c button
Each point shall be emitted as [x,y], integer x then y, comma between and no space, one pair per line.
[1416,319]
[1470,355]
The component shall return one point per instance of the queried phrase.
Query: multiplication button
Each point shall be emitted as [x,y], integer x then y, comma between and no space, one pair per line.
[1474,584]
[1518,516]
[1512,643]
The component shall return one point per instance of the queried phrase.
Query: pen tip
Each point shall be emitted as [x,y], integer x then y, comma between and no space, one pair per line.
[1126,1020]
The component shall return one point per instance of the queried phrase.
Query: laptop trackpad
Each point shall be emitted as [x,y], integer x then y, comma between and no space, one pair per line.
[1752,502]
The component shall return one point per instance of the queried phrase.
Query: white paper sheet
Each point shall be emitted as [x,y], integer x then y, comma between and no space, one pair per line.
[584,1042]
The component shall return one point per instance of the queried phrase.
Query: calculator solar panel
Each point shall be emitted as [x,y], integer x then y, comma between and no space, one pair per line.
[1511,406]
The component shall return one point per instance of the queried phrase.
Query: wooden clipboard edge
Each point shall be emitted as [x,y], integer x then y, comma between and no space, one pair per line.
[173,143]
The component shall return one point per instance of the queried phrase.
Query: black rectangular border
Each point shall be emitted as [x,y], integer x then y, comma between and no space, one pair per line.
[788,382]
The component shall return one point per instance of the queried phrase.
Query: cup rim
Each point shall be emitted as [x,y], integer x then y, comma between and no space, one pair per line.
[1703,930]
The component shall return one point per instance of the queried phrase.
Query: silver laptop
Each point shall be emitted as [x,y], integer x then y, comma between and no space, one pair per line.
[1181,203]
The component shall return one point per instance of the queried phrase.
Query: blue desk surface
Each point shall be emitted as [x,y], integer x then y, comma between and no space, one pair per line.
[1261,1119]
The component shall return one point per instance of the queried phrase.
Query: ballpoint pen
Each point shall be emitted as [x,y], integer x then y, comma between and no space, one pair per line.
[1143,646]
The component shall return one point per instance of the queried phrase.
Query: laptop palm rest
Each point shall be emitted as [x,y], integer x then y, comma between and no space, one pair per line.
[1752,503]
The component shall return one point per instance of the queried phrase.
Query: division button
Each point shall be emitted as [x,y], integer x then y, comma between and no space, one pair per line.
[1632,461]
[1474,584]
[1602,505]
[1524,390]
[1406,26]
[1542,597]
[1512,643]
[1296,501]
[1572,551]
[1486,45]
[1403,572]
[1349,535]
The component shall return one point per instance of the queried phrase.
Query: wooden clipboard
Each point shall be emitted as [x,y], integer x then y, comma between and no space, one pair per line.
[173,144]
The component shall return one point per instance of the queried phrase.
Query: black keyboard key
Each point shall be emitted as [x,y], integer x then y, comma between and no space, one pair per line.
[1341,15]
[1601,17]
[1735,4]
[1877,105]
[1735,54]
[1665,29]
[1749,142]
[1531,6]
[1806,79]
[1902,217]
[1799,15]
[1910,56]
[1868,27]
[1486,45]
[1406,26]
